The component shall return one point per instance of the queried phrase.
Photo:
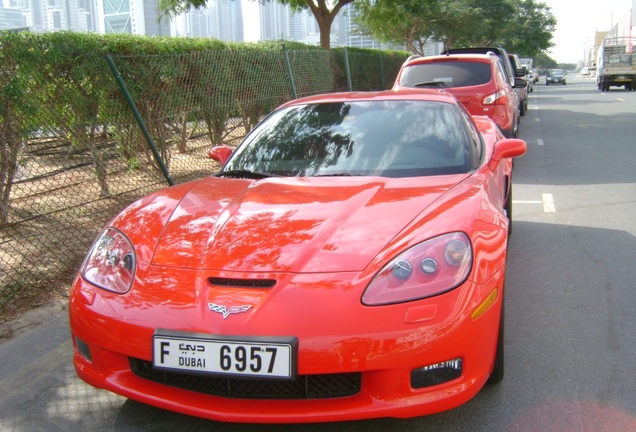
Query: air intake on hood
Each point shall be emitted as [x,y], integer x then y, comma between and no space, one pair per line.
[250,283]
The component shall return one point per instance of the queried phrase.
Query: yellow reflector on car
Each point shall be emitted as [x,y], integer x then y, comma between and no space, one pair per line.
[492,297]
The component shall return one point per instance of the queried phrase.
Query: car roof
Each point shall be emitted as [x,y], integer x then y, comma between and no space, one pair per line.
[433,95]
[499,51]
[496,50]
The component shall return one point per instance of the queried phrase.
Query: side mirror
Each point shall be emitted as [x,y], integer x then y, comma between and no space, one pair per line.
[507,148]
[220,153]
[520,83]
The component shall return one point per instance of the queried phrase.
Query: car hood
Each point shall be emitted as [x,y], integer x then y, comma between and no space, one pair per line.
[290,224]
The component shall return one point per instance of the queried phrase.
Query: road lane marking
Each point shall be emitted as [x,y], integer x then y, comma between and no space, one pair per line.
[548,203]
[540,142]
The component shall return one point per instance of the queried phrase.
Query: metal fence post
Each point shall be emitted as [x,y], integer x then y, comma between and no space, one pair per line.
[140,121]
[289,72]
[348,69]
[382,83]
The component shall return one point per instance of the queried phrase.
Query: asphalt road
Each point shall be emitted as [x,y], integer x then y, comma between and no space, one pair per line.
[570,301]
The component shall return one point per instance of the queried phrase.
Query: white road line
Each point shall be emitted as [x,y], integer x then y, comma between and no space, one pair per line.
[540,142]
[537,119]
[548,203]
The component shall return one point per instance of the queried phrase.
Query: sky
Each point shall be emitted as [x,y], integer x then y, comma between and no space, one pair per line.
[577,21]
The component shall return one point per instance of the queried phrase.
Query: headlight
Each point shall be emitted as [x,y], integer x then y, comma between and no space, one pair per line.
[111,262]
[427,269]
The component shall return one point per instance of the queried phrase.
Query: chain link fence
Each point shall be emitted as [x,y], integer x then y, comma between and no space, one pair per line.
[73,153]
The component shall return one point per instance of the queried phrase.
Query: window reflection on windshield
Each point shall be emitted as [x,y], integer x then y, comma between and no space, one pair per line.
[384,138]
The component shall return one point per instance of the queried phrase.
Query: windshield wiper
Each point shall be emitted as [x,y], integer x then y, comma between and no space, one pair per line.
[431,84]
[338,174]
[245,174]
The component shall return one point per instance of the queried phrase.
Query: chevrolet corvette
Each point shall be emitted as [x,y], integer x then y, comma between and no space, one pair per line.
[347,262]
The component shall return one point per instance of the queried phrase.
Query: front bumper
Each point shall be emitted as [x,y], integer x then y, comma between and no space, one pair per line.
[382,346]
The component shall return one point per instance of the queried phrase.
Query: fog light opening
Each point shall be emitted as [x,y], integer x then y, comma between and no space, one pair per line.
[82,348]
[436,374]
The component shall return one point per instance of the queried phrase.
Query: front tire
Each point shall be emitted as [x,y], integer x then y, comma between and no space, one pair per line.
[508,210]
[497,374]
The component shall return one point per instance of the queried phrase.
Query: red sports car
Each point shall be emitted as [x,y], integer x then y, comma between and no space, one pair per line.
[347,262]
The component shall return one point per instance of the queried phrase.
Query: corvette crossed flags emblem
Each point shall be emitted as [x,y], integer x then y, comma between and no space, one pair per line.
[225,311]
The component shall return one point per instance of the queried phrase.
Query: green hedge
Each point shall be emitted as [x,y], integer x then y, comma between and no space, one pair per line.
[72,154]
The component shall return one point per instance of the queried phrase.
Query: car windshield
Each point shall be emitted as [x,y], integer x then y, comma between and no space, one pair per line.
[446,74]
[381,138]
[557,72]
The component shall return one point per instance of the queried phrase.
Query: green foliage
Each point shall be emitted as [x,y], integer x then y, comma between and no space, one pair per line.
[522,26]
[70,142]
[61,83]
[410,22]
[530,29]
[543,61]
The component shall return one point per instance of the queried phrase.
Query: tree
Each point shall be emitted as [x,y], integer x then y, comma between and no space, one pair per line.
[408,22]
[413,22]
[543,61]
[319,8]
[473,22]
[520,25]
[530,30]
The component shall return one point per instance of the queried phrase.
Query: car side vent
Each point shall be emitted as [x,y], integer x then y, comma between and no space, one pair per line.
[249,283]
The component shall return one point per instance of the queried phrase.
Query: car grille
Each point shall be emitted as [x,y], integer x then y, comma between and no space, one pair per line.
[303,387]
[247,283]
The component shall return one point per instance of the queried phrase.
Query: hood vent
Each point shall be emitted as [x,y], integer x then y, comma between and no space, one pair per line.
[243,283]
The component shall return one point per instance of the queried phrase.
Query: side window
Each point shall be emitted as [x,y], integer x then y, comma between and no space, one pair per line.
[501,72]
[474,138]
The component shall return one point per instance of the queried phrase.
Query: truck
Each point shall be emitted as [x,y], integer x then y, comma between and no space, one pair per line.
[527,63]
[616,64]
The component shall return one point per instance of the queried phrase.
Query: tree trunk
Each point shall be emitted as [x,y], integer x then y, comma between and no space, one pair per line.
[10,145]
[325,34]
[324,18]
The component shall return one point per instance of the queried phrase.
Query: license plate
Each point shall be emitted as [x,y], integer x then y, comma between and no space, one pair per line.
[225,355]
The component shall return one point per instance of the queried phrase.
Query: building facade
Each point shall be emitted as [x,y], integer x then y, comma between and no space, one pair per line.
[96,16]
[220,19]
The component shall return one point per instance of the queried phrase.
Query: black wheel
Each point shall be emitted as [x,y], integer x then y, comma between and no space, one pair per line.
[508,210]
[522,109]
[497,374]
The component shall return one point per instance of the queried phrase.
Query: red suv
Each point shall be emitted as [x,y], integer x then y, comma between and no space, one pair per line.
[479,81]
